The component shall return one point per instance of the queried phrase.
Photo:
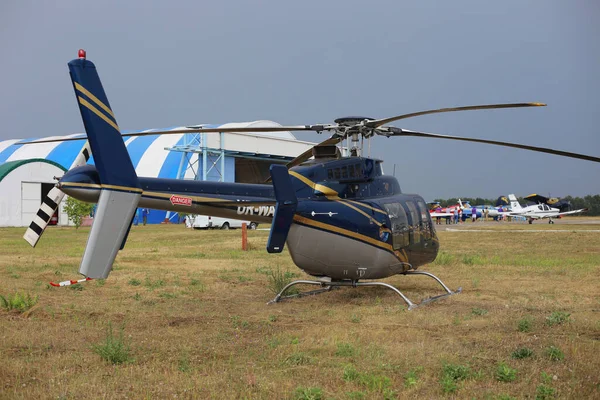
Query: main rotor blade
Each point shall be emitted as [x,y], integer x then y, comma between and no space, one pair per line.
[379,122]
[313,128]
[406,132]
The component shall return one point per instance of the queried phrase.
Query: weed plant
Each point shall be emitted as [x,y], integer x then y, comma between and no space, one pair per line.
[522,353]
[18,302]
[557,318]
[555,354]
[114,349]
[504,373]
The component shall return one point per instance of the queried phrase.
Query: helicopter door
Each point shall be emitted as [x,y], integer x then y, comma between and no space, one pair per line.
[399,223]
[415,222]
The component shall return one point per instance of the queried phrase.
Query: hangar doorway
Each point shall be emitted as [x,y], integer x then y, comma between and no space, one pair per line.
[253,170]
[32,194]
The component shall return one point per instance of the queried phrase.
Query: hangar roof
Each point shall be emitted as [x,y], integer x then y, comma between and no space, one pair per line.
[148,153]
[7,167]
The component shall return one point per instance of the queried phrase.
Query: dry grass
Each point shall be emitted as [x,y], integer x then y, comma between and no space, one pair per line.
[193,311]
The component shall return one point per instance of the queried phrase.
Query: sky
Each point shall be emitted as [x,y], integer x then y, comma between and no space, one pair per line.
[305,62]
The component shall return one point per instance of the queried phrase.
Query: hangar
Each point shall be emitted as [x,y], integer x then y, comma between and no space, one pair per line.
[27,171]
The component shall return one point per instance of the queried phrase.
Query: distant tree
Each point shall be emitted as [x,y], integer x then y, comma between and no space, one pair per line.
[76,210]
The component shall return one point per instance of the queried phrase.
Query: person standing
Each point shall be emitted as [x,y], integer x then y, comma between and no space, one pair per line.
[474,214]
[145,213]
[456,215]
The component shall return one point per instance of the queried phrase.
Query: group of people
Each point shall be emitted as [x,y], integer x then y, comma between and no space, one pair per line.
[459,216]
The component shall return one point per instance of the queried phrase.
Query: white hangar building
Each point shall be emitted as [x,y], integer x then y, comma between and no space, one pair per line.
[27,171]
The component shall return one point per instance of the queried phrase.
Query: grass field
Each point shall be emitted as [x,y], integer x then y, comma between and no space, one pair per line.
[188,315]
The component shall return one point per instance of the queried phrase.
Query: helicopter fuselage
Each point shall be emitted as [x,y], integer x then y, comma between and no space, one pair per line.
[352,222]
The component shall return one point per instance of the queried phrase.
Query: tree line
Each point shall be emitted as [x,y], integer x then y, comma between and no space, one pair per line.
[591,202]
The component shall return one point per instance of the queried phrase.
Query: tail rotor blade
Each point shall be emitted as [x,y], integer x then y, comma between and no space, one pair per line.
[50,203]
[40,221]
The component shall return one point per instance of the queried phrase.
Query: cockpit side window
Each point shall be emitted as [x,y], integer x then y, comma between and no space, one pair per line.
[399,223]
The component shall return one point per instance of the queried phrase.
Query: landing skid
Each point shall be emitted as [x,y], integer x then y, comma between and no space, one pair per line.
[328,286]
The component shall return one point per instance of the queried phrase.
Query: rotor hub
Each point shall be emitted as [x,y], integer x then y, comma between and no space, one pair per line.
[352,121]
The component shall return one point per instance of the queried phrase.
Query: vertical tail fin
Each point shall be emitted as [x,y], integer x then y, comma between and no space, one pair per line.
[514,203]
[120,188]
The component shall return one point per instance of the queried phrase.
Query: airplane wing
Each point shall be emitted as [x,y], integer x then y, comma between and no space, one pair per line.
[437,214]
[573,212]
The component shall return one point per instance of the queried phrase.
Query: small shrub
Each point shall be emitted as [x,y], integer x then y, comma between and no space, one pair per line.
[184,363]
[544,392]
[278,279]
[355,318]
[308,393]
[350,373]
[479,311]
[451,375]
[375,383]
[100,282]
[521,353]
[18,302]
[356,395]
[504,373]
[505,397]
[76,210]
[272,318]
[137,297]
[150,284]
[134,282]
[557,318]
[411,378]
[114,349]
[554,353]
[77,287]
[525,324]
[297,359]
[345,350]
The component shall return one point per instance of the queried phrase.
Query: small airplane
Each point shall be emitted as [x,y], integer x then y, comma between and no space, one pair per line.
[538,211]
[343,220]
[437,211]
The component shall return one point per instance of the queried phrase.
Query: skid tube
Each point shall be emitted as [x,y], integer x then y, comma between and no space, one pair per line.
[328,286]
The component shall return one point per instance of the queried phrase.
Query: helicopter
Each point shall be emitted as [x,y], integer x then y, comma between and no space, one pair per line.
[345,223]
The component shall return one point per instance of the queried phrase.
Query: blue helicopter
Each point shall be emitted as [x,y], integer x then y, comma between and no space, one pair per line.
[345,223]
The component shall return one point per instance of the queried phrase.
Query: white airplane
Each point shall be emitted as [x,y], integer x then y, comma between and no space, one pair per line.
[537,211]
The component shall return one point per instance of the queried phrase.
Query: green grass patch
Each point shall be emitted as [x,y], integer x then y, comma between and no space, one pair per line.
[346,350]
[525,324]
[504,373]
[18,302]
[557,318]
[308,393]
[114,349]
[555,354]
[522,353]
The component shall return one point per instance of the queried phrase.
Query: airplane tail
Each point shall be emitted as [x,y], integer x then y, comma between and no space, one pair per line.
[514,203]
[120,188]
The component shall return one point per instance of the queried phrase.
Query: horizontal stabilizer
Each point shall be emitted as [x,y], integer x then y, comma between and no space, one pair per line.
[285,208]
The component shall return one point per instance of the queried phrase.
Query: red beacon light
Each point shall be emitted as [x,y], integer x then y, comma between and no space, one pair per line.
[81,53]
